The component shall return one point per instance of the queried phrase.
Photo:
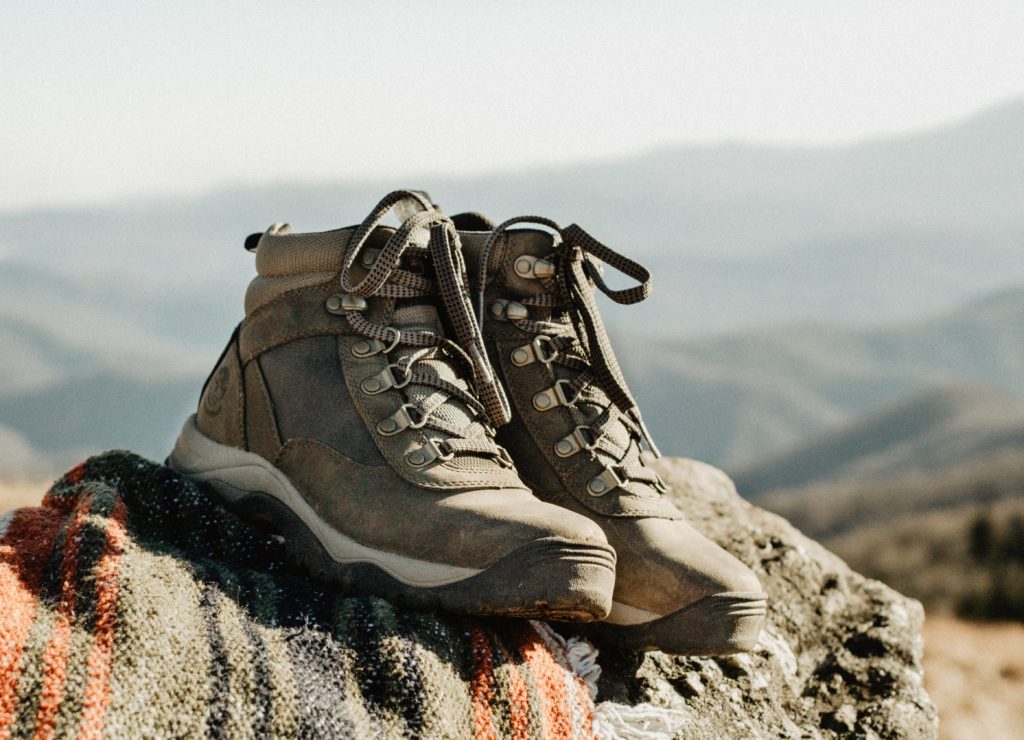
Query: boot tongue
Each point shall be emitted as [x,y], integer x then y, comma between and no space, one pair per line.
[511,244]
[418,315]
[422,316]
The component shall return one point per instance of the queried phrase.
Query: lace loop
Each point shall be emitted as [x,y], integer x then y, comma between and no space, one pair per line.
[388,279]
[571,288]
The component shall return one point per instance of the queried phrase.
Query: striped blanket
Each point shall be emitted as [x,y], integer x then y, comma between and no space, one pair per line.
[132,606]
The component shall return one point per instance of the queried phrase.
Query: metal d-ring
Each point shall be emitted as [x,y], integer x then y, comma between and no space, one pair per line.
[538,351]
[554,396]
[394,342]
[576,441]
[428,453]
[606,481]
[534,352]
[369,347]
[385,380]
[437,446]
[401,420]
[407,375]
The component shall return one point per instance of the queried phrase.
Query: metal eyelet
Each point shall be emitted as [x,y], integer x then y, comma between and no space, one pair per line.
[607,481]
[428,453]
[527,266]
[548,398]
[498,308]
[575,442]
[369,257]
[535,351]
[401,420]
[370,347]
[342,303]
[367,347]
[385,380]
[505,310]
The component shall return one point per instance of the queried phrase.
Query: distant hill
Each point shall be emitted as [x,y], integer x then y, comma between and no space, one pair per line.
[63,324]
[740,399]
[890,232]
[935,430]
[738,236]
[62,422]
[748,402]
[830,510]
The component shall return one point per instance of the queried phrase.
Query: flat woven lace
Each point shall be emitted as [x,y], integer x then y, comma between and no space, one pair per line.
[569,295]
[387,278]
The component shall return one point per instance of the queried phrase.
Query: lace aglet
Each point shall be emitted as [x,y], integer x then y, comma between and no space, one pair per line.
[648,439]
[482,365]
[480,310]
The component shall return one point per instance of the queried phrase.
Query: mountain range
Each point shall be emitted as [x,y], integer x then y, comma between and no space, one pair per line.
[738,399]
[796,290]
[800,405]
[738,236]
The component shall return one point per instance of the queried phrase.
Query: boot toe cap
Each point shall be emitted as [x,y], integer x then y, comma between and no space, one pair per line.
[679,592]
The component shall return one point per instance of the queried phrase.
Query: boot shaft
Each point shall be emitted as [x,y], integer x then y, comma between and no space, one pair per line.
[375,377]
[571,431]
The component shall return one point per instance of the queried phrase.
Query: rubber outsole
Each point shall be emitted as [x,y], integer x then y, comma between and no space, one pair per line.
[550,578]
[719,624]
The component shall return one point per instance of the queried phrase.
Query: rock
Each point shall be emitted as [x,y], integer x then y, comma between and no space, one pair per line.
[840,655]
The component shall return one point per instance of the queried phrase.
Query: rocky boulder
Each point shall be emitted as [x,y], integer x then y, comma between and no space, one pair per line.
[841,654]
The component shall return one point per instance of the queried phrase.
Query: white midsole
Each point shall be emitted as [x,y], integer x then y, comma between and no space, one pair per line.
[624,614]
[235,473]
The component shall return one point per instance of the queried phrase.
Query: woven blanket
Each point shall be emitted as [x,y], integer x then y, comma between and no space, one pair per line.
[132,605]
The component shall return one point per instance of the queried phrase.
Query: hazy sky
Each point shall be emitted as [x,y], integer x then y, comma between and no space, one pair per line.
[104,100]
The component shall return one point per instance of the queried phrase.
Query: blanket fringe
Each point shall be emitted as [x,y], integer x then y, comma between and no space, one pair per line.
[642,722]
[579,652]
[612,720]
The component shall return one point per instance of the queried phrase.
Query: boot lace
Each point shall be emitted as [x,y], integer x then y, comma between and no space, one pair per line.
[389,277]
[586,356]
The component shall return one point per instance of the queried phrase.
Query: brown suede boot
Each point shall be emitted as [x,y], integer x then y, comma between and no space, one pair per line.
[353,413]
[576,436]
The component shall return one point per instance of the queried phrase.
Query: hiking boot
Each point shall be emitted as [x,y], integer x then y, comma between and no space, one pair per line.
[576,436]
[353,411]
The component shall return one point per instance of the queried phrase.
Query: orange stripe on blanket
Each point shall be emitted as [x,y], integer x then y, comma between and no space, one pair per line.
[482,686]
[97,688]
[55,657]
[578,695]
[24,550]
[75,475]
[550,681]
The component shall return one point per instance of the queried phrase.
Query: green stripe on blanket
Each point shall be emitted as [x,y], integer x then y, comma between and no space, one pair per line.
[132,605]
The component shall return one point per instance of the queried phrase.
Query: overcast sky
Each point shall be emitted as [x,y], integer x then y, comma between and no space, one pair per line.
[106,100]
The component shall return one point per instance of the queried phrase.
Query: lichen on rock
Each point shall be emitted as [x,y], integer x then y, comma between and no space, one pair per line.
[840,654]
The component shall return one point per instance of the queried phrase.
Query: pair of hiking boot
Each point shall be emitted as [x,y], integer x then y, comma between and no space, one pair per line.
[432,413]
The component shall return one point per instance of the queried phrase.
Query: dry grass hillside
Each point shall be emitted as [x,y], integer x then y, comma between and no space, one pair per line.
[917,532]
[930,556]
[833,509]
[14,495]
[975,675]
[938,429]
